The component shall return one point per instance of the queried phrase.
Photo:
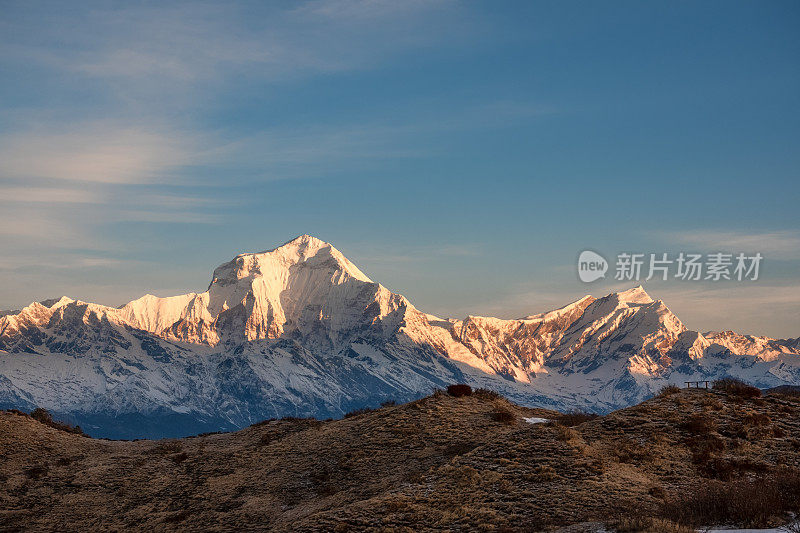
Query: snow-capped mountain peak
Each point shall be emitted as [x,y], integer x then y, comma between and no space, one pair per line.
[304,251]
[300,330]
[636,295]
[261,295]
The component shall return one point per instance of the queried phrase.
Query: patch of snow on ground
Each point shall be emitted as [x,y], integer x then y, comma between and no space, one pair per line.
[534,420]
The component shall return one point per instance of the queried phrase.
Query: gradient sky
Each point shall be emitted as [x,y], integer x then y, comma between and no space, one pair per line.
[461,153]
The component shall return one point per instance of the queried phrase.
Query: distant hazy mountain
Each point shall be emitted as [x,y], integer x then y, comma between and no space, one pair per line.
[300,330]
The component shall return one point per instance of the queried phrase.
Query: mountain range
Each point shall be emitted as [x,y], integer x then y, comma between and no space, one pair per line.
[301,331]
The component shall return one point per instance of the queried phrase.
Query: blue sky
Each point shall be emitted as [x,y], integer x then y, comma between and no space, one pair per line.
[461,153]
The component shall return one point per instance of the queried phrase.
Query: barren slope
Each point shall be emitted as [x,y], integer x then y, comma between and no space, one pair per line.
[437,463]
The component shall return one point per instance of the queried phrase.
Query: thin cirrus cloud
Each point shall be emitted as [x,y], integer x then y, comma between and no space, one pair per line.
[290,152]
[124,172]
[156,47]
[775,244]
[50,174]
[137,76]
[758,309]
[49,195]
[356,11]
[95,153]
[22,226]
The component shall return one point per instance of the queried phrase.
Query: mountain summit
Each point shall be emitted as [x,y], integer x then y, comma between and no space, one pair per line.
[304,251]
[259,296]
[300,330]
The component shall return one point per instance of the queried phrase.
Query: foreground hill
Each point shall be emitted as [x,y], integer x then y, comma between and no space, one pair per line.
[301,331]
[466,463]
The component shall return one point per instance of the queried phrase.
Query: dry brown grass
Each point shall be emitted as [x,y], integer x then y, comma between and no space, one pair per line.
[44,417]
[630,451]
[756,419]
[37,471]
[166,447]
[787,392]
[358,412]
[699,424]
[712,404]
[755,502]
[563,433]
[504,416]
[637,523]
[441,462]
[737,387]
[179,457]
[704,447]
[459,390]
[541,474]
[487,394]
[668,390]
[575,418]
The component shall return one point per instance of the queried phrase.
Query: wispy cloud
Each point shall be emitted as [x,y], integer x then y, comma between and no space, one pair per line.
[49,195]
[755,309]
[403,255]
[95,152]
[777,244]
[63,262]
[357,11]
[143,49]
[180,217]
[21,225]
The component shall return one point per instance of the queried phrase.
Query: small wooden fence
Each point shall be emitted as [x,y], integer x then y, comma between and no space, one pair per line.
[696,384]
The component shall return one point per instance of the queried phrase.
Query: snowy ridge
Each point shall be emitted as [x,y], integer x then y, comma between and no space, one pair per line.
[300,330]
[259,296]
